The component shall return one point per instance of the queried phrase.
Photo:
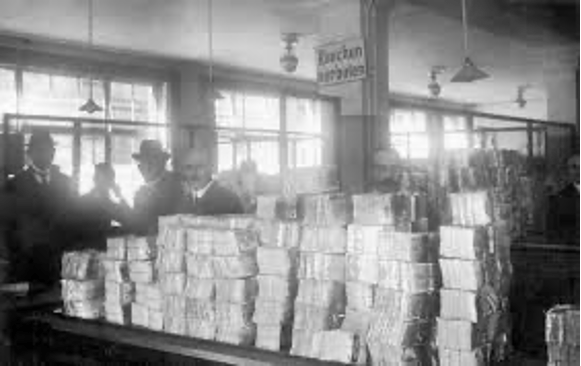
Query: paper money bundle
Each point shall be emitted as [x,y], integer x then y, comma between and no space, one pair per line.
[82,284]
[326,210]
[404,212]
[562,335]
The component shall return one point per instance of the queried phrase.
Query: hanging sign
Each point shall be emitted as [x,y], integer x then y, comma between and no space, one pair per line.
[341,62]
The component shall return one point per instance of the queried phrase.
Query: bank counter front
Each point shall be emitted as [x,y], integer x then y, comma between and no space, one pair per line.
[335,287]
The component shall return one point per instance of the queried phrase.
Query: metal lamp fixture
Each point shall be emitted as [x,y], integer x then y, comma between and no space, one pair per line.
[469,71]
[289,61]
[90,106]
[434,86]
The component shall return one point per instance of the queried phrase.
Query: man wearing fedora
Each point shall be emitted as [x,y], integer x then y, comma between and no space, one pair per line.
[161,194]
[40,233]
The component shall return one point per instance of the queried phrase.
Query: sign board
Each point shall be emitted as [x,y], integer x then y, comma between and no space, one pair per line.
[341,62]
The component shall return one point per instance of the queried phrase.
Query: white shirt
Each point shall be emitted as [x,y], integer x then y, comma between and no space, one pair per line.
[199,193]
[41,176]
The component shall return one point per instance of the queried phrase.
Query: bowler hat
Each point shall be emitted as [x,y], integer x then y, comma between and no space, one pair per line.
[40,138]
[150,149]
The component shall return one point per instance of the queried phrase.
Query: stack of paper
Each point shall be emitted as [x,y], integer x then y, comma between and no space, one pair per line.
[562,335]
[328,210]
[83,284]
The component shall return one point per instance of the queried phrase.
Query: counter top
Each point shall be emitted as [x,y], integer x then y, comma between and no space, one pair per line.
[167,343]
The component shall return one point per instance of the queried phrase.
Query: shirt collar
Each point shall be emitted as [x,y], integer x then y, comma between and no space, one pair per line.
[199,193]
[41,175]
[154,182]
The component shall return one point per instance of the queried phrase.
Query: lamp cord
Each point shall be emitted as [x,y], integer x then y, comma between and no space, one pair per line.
[465,27]
[210,44]
[90,45]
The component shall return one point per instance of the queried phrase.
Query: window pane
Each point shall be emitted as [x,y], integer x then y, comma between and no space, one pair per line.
[229,110]
[304,153]
[261,112]
[455,123]
[225,155]
[403,121]
[7,91]
[412,146]
[455,140]
[122,101]
[92,152]
[303,115]
[265,154]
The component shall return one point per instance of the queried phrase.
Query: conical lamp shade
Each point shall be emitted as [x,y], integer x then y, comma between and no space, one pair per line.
[215,94]
[90,107]
[469,73]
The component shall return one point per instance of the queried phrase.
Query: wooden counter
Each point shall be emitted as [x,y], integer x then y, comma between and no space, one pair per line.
[57,337]
[545,275]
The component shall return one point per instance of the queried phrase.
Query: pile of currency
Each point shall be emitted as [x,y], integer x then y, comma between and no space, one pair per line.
[562,336]
[277,259]
[82,284]
[403,212]
[119,290]
[320,301]
[473,324]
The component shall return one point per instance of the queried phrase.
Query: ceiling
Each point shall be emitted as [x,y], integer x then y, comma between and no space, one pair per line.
[247,35]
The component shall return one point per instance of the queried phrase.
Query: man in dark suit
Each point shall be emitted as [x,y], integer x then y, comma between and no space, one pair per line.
[564,207]
[205,196]
[161,194]
[38,234]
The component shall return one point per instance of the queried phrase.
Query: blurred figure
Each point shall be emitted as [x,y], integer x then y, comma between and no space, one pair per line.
[387,171]
[40,232]
[564,207]
[204,195]
[248,181]
[103,205]
[161,194]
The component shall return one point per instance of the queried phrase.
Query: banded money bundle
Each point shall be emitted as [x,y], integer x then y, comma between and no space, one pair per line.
[82,284]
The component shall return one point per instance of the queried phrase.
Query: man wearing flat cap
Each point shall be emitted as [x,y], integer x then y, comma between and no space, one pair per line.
[39,233]
[161,194]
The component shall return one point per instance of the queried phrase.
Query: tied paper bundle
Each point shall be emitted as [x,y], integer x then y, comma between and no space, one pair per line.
[240,335]
[142,271]
[321,293]
[73,290]
[272,312]
[563,355]
[83,265]
[173,283]
[466,243]
[406,306]
[302,343]
[365,239]
[236,291]
[155,320]
[266,207]
[117,313]
[466,275]
[174,325]
[358,323]
[200,289]
[329,240]
[174,306]
[469,305]
[360,296]
[171,262]
[274,288]
[470,209]
[408,247]
[337,346]
[200,266]
[115,270]
[388,329]
[397,210]
[362,268]
[385,354]
[476,357]
[116,248]
[464,335]
[409,277]
[121,293]
[221,222]
[316,318]
[199,241]
[279,234]
[90,309]
[140,248]
[234,242]
[139,315]
[234,314]
[204,311]
[273,337]
[562,325]
[172,238]
[276,261]
[201,329]
[326,210]
[325,267]
[242,266]
[149,295]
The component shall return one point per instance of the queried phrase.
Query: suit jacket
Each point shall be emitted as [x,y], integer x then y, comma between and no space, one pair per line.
[39,232]
[564,215]
[217,200]
[152,201]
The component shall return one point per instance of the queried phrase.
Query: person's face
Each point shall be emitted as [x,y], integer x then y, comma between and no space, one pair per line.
[42,156]
[196,171]
[386,172]
[151,169]
[573,169]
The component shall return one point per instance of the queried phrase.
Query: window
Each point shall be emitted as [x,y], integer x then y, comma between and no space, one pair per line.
[455,133]
[251,127]
[409,134]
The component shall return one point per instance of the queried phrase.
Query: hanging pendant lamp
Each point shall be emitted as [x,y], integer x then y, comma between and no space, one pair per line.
[212,93]
[469,71]
[90,106]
